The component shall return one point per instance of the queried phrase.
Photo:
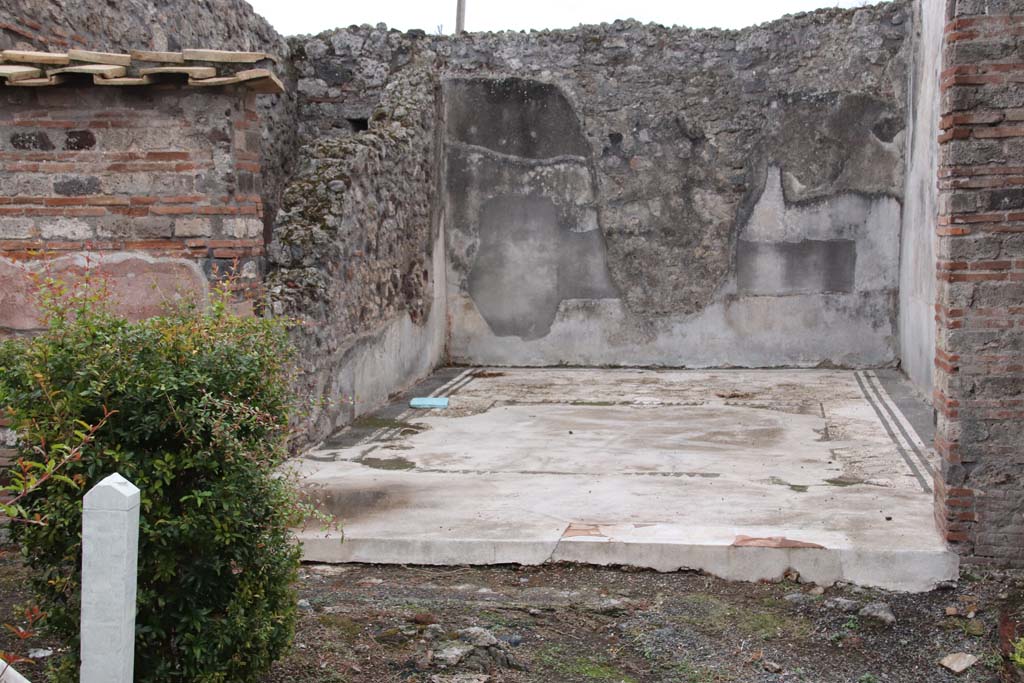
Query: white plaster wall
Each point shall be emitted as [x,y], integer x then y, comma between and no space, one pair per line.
[917,253]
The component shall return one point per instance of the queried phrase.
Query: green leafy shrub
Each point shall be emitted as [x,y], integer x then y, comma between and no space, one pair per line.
[192,408]
[1018,653]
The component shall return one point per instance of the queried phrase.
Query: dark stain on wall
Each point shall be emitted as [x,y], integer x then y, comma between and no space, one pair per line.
[515,116]
[796,267]
[528,262]
[520,178]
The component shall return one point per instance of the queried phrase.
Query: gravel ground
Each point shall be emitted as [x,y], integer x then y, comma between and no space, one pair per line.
[572,623]
[568,623]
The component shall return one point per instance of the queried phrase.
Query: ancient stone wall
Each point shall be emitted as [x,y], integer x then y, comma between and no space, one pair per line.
[620,194]
[639,195]
[357,254]
[628,194]
[167,25]
[979,382]
[157,189]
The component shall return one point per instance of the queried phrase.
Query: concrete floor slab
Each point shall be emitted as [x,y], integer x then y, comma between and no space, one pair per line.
[744,474]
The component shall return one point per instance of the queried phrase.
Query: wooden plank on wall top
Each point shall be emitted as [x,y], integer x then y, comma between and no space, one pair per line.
[104,70]
[153,56]
[38,82]
[14,72]
[99,57]
[226,56]
[269,84]
[190,71]
[30,57]
[127,80]
[259,80]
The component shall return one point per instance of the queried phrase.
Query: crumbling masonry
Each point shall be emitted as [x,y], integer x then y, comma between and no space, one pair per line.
[843,188]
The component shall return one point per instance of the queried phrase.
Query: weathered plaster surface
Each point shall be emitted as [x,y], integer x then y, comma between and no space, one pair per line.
[723,197]
[139,286]
[920,204]
[616,194]
[787,302]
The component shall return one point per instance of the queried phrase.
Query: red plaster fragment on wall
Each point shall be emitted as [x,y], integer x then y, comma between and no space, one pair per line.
[139,286]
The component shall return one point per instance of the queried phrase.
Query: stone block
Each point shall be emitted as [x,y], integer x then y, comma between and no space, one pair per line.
[148,183]
[76,186]
[243,228]
[64,229]
[78,140]
[31,141]
[28,184]
[192,226]
[15,227]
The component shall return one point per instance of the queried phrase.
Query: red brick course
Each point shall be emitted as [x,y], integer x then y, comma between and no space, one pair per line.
[116,173]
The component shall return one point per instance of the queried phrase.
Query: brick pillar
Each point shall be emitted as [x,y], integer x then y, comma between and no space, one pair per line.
[979,357]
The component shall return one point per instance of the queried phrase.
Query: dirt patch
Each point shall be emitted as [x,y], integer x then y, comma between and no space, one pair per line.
[799,488]
[371,422]
[395,463]
[735,394]
[15,598]
[575,624]
[353,506]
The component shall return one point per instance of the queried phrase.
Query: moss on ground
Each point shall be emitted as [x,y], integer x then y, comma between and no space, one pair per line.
[345,627]
[712,614]
[374,422]
[562,661]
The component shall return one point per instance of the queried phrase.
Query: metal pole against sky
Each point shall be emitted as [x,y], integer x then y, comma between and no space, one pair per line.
[460,17]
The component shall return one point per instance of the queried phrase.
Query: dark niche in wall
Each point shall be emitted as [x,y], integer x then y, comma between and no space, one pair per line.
[359,124]
[515,116]
[804,267]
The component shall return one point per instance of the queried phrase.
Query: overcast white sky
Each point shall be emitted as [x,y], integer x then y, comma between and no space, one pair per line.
[312,16]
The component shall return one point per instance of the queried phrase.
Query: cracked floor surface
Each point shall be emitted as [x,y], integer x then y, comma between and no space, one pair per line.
[744,474]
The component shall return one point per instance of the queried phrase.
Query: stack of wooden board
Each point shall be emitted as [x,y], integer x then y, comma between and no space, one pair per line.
[195,67]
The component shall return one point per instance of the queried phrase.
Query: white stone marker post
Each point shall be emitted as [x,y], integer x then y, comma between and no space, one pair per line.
[110,553]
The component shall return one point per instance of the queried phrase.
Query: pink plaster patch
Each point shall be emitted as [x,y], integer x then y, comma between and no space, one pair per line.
[576,529]
[139,287]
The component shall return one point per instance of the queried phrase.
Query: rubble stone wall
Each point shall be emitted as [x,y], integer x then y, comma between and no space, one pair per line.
[358,258]
[638,195]
[979,382]
[620,194]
